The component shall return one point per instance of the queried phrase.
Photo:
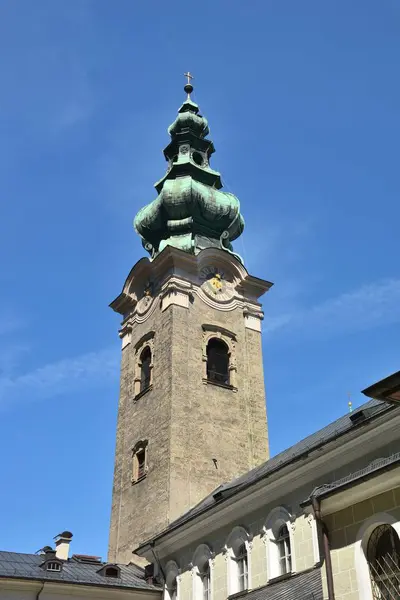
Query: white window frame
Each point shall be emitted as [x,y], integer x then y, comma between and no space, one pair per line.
[277,518]
[202,557]
[284,549]
[237,538]
[172,579]
[360,550]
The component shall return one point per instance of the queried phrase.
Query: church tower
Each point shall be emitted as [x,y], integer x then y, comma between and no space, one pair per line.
[192,403]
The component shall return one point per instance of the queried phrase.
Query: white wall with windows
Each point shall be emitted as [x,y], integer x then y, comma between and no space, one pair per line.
[242,557]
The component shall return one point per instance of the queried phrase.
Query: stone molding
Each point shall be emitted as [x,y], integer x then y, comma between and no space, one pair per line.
[125,333]
[131,303]
[175,291]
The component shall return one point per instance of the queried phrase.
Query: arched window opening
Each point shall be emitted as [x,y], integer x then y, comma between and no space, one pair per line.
[383,556]
[139,466]
[278,532]
[141,463]
[242,568]
[145,369]
[285,555]
[171,581]
[202,573]
[198,158]
[205,582]
[238,548]
[218,361]
[172,591]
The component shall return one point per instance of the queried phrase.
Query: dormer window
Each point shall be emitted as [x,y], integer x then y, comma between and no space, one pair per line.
[110,571]
[53,565]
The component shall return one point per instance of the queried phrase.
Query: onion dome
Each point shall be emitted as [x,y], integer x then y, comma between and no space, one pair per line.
[191,212]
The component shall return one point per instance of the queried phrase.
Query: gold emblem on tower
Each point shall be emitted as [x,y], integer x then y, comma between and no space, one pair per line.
[216,283]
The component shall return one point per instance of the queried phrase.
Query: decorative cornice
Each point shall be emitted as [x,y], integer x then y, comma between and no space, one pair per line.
[210,327]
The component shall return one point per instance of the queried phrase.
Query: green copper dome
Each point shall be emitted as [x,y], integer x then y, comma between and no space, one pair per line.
[190,212]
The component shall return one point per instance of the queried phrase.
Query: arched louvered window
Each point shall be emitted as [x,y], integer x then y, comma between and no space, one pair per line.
[145,369]
[383,556]
[218,361]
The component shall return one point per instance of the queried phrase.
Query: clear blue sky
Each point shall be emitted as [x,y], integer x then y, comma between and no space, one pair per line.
[303,101]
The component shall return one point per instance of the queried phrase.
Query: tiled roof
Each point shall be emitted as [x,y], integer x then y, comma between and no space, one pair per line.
[302,586]
[349,421]
[27,566]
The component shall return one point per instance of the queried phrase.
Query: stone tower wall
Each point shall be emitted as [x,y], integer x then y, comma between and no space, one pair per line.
[187,422]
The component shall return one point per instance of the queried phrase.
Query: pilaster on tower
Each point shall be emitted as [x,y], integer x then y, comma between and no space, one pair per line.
[192,403]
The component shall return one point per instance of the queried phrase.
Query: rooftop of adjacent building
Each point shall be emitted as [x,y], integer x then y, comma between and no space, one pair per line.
[46,565]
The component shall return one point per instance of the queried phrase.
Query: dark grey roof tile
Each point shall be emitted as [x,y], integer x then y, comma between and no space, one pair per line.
[302,586]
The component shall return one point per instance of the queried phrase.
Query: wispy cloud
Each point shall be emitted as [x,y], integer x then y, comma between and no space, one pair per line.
[67,375]
[369,306]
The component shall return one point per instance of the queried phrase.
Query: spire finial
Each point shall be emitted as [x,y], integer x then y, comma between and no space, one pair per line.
[350,404]
[188,87]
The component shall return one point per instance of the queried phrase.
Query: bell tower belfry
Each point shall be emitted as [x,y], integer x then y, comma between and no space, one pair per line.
[192,403]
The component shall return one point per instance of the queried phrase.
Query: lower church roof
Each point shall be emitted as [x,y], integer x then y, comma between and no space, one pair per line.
[17,565]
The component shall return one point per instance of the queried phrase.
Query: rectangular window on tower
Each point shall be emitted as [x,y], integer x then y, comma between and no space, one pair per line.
[139,467]
[141,463]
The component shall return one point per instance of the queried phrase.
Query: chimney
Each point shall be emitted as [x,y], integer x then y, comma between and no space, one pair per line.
[63,541]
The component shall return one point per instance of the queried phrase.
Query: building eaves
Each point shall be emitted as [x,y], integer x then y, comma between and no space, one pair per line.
[377,466]
[387,389]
